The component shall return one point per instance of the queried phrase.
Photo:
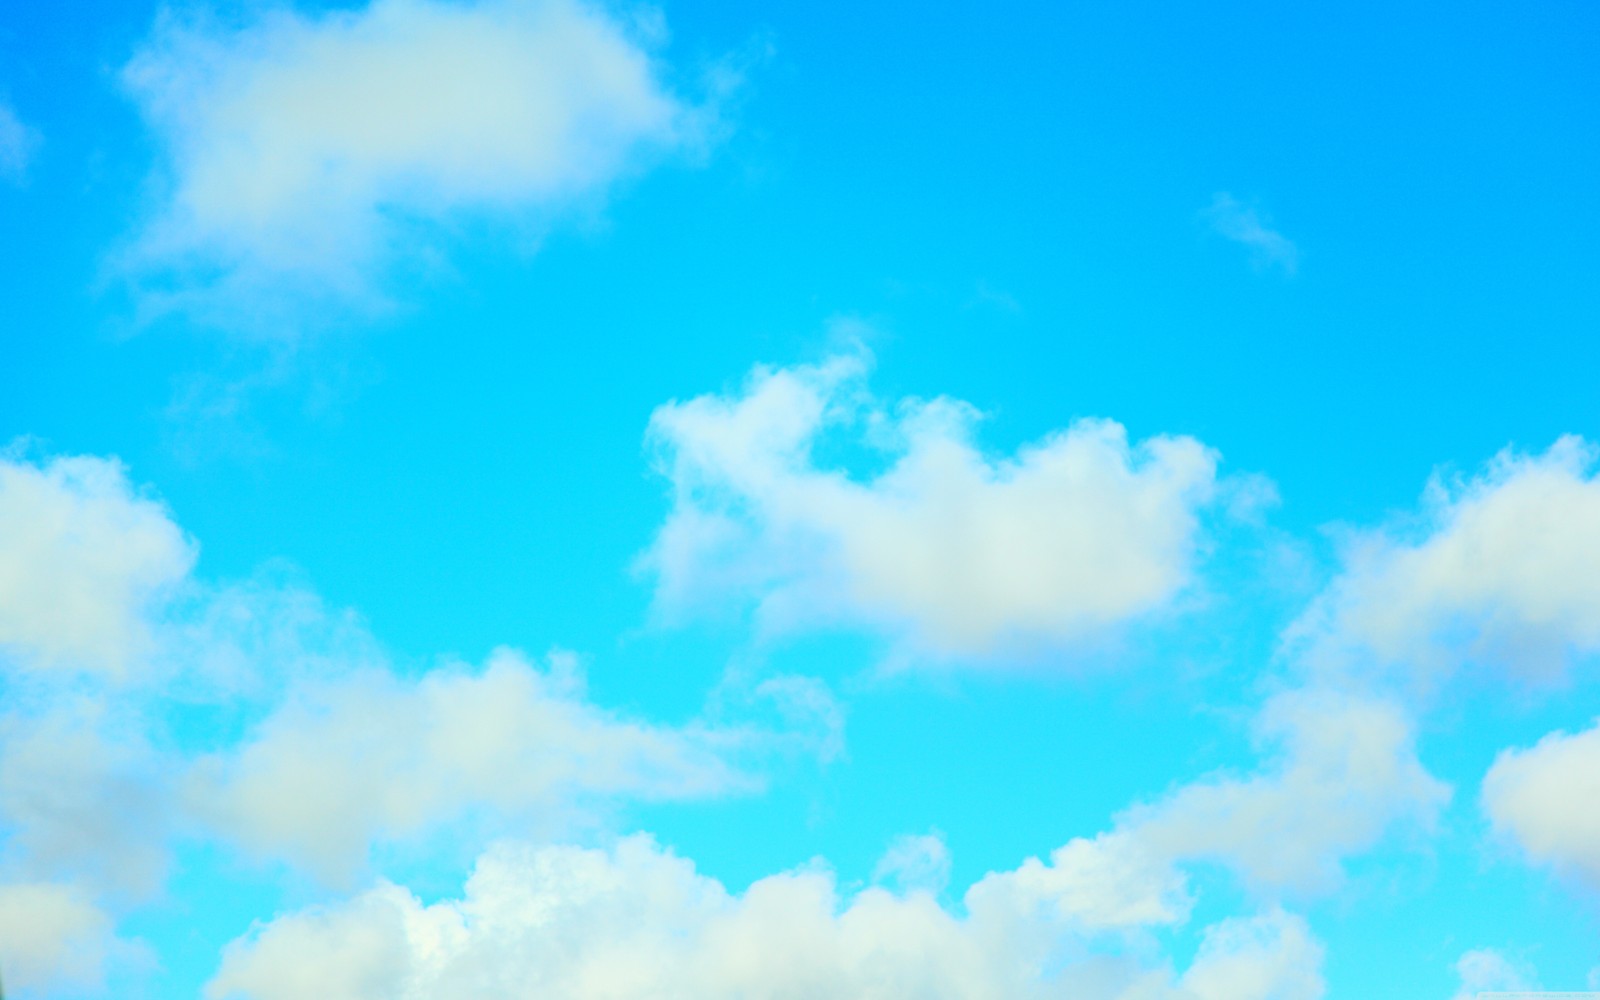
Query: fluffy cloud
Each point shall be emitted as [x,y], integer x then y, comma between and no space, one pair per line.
[82,556]
[1070,536]
[1505,568]
[302,146]
[17,145]
[1245,226]
[1547,799]
[53,938]
[1347,773]
[373,758]
[636,921]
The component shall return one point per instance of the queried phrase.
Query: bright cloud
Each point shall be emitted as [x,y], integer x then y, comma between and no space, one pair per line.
[82,557]
[373,758]
[1245,226]
[1506,570]
[303,146]
[1547,799]
[634,920]
[1071,536]
[18,144]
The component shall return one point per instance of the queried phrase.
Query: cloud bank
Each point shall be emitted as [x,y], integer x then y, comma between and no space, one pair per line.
[107,635]
[636,921]
[959,552]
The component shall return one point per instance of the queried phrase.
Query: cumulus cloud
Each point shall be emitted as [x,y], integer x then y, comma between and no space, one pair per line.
[373,758]
[302,148]
[956,550]
[636,921]
[82,557]
[1547,799]
[18,143]
[1504,568]
[1347,773]
[1242,224]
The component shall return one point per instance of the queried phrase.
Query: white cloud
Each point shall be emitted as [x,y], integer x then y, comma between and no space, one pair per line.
[53,938]
[636,921]
[1506,569]
[1547,799]
[1347,774]
[962,553]
[305,147]
[1485,969]
[82,557]
[1244,225]
[372,758]
[18,143]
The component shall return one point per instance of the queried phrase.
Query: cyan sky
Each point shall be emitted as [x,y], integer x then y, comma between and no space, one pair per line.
[416,327]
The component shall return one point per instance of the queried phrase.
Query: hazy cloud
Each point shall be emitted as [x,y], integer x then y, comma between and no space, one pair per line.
[1242,224]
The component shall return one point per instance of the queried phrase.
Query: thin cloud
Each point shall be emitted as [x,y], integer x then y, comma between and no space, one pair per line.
[18,144]
[1242,224]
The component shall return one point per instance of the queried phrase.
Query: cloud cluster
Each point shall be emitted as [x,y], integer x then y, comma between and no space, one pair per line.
[1505,569]
[959,552]
[302,147]
[105,633]
[636,921]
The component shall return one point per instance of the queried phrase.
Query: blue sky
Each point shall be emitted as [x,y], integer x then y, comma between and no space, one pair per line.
[530,497]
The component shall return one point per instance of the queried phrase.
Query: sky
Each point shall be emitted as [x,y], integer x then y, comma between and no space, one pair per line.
[1088,501]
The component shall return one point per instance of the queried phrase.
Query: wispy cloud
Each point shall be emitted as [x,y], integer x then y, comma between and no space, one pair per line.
[18,144]
[1243,224]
